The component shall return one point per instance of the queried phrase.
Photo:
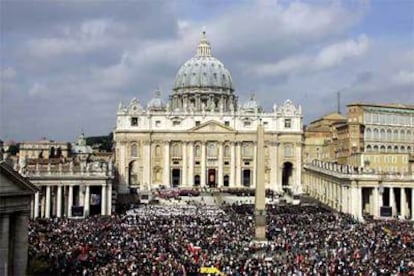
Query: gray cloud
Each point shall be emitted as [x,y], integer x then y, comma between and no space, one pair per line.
[65,65]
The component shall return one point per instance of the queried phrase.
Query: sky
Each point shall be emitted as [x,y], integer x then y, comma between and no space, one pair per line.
[66,65]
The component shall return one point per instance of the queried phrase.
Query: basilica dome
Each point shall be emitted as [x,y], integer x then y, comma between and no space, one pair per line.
[203,71]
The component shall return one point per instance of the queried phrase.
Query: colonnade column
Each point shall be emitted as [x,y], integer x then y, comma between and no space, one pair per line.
[184,158]
[190,178]
[47,207]
[220,165]
[403,203]
[103,200]
[4,243]
[392,202]
[357,202]
[70,201]
[109,200]
[376,204]
[238,164]
[203,165]
[412,203]
[86,201]
[166,171]
[36,205]
[232,165]
[59,202]
[20,241]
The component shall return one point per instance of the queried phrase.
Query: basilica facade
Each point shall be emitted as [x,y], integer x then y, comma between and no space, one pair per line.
[203,137]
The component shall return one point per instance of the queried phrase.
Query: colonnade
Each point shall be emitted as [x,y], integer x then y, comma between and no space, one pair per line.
[59,200]
[361,195]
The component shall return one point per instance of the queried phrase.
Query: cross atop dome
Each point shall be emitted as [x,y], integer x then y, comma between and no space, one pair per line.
[203,48]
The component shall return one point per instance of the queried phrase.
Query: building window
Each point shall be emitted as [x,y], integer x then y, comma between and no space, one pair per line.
[226,151]
[247,123]
[226,123]
[176,123]
[157,123]
[157,150]
[176,150]
[134,150]
[197,151]
[288,123]
[197,123]
[134,121]
[212,150]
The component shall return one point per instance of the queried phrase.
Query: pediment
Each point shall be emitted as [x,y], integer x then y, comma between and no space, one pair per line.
[11,182]
[212,127]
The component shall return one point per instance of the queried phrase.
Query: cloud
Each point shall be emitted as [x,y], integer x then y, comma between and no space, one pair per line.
[330,56]
[403,78]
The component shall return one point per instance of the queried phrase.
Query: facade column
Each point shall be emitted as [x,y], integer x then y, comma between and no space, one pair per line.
[232,165]
[203,165]
[166,171]
[220,165]
[109,200]
[36,205]
[238,164]
[59,201]
[103,200]
[4,244]
[47,207]
[147,166]
[70,201]
[190,178]
[21,243]
[184,158]
[403,203]
[86,201]
[298,180]
[278,168]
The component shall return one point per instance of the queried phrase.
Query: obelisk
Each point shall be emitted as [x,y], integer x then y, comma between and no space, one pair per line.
[260,196]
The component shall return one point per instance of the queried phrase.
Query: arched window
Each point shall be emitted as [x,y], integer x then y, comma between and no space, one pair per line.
[402,135]
[402,148]
[395,148]
[382,134]
[226,150]
[382,148]
[395,135]
[376,134]
[375,148]
[197,152]
[409,149]
[389,149]
[369,148]
[389,134]
[408,137]
[134,150]
[369,134]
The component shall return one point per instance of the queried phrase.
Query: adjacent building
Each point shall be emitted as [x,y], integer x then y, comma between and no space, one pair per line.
[203,137]
[16,195]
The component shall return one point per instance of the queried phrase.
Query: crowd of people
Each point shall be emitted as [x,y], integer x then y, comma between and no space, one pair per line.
[156,240]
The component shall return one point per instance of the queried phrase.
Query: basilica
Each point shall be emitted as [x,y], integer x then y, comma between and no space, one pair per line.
[203,137]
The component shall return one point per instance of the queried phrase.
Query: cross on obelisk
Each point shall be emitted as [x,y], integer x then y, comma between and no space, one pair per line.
[260,196]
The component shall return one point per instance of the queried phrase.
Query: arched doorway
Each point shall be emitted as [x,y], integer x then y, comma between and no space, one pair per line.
[133,173]
[211,178]
[226,181]
[246,177]
[287,175]
[176,177]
